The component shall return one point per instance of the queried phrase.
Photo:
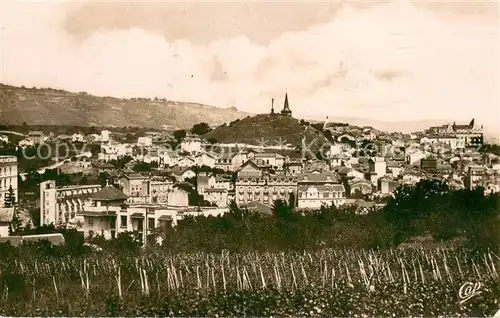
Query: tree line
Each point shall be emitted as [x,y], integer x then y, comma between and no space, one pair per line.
[430,208]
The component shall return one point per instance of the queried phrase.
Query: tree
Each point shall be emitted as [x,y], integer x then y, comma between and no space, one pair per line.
[103,178]
[179,135]
[143,167]
[200,128]
[282,210]
[10,198]
[291,202]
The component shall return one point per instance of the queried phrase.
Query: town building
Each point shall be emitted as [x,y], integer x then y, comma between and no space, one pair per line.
[314,196]
[358,186]
[430,164]
[136,187]
[8,178]
[36,137]
[114,151]
[59,205]
[105,136]
[144,141]
[387,185]
[475,176]
[255,183]
[225,162]
[218,190]
[160,188]
[205,159]
[100,217]
[78,137]
[191,145]
[293,168]
[378,166]
[470,135]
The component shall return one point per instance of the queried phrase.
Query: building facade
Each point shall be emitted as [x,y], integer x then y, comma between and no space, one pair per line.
[255,184]
[59,205]
[314,196]
[8,178]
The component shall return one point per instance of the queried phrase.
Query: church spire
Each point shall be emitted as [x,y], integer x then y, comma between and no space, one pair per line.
[286,107]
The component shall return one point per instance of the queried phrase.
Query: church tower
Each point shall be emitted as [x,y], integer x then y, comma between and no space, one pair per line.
[286,108]
[272,106]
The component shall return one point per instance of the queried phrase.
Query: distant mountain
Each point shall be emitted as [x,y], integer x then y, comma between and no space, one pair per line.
[47,106]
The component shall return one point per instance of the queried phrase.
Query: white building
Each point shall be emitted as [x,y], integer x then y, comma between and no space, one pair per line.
[113,151]
[169,157]
[206,159]
[78,137]
[191,145]
[414,157]
[4,139]
[314,196]
[105,136]
[335,149]
[59,205]
[25,143]
[186,162]
[378,166]
[8,177]
[108,215]
[144,141]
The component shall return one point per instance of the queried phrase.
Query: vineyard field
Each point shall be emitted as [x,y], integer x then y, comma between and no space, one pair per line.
[413,282]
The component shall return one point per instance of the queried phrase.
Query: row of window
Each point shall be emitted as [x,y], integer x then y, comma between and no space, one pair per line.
[325,195]
[265,190]
[3,171]
[124,222]
[264,181]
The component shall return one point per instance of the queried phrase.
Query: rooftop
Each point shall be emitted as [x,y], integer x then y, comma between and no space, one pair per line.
[109,193]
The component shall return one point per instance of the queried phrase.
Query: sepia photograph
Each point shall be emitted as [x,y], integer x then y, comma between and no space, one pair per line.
[256,158]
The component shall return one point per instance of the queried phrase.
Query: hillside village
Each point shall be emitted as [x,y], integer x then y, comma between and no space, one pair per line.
[109,185]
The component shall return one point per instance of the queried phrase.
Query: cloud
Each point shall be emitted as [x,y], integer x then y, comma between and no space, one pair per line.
[392,61]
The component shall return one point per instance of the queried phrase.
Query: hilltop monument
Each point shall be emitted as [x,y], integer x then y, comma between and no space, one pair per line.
[286,111]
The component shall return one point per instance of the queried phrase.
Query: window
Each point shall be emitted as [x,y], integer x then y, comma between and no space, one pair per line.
[91,221]
[151,223]
[123,221]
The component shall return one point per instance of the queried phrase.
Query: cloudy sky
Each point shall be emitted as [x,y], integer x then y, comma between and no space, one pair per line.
[389,61]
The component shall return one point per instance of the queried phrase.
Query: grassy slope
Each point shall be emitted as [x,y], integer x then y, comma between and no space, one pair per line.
[271,128]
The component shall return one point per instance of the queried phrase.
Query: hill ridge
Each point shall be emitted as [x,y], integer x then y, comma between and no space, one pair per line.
[49,106]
